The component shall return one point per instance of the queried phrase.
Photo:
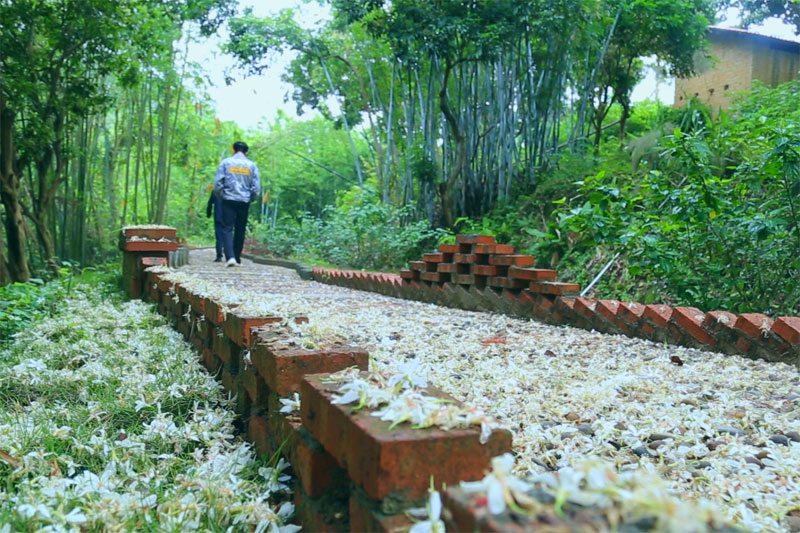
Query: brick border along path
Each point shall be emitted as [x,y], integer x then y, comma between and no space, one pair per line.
[715,426]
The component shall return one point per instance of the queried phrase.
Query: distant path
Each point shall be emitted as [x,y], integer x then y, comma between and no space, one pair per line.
[568,393]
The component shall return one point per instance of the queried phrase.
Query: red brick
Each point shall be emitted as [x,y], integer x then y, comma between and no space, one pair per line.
[647,329]
[512,260]
[754,325]
[465,258]
[433,258]
[409,274]
[788,328]
[133,288]
[743,344]
[531,274]
[449,248]
[435,277]
[557,288]
[238,328]
[585,307]
[215,312]
[258,433]
[778,345]
[198,303]
[254,385]
[317,471]
[365,515]
[607,309]
[487,270]
[508,283]
[475,239]
[282,368]
[505,249]
[716,320]
[164,285]
[320,515]
[512,294]
[147,262]
[690,320]
[563,310]
[228,351]
[210,361]
[545,302]
[184,295]
[398,461]
[206,331]
[420,266]
[149,246]
[448,268]
[463,279]
[657,314]
[150,233]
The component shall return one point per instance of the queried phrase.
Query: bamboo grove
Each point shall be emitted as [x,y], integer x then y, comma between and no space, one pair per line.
[464,103]
[90,93]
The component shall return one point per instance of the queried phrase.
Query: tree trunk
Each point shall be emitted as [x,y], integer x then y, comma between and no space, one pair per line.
[5,277]
[446,188]
[18,268]
[162,178]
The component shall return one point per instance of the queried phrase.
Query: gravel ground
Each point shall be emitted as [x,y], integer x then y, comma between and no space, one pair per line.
[715,427]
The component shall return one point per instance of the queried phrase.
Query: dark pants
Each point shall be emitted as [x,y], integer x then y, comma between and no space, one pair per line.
[220,237]
[234,222]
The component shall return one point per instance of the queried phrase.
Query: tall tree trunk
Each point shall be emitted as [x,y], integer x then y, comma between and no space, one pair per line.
[447,187]
[5,277]
[162,178]
[18,268]
[357,162]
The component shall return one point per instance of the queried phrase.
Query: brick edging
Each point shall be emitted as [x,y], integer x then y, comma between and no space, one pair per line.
[477,275]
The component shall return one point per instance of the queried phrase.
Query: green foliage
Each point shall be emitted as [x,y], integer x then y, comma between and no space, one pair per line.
[714,224]
[360,233]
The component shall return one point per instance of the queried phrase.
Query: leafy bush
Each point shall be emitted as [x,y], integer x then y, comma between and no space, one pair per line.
[707,235]
[360,233]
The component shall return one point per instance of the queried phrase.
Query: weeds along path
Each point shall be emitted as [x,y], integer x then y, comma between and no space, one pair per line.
[108,422]
[711,426]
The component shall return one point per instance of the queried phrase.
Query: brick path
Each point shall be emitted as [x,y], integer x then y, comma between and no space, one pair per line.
[567,393]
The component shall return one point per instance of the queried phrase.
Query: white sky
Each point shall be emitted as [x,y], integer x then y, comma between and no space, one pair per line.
[255,100]
[252,100]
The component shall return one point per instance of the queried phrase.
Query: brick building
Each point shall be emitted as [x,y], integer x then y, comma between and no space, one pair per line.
[737,58]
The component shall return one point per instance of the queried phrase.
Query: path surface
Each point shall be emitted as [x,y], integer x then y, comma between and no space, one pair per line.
[714,426]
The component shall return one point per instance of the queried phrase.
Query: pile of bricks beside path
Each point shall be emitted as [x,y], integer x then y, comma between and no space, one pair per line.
[353,471]
[478,274]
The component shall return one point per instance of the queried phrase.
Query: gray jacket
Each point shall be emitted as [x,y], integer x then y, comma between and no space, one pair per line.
[238,179]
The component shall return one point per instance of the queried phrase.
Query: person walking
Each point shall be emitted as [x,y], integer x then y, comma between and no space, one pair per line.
[237,184]
[215,205]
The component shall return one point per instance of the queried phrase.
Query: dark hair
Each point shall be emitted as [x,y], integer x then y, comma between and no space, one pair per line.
[239,146]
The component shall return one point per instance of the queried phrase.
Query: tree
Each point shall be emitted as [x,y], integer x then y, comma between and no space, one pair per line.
[58,56]
[671,30]
[756,11]
[452,33]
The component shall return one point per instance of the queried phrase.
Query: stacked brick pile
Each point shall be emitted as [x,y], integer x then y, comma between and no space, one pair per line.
[353,471]
[142,247]
[479,274]
[476,260]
